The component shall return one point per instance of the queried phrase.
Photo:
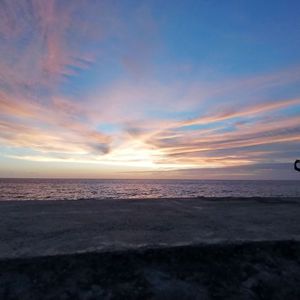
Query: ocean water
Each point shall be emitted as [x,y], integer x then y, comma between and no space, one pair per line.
[75,189]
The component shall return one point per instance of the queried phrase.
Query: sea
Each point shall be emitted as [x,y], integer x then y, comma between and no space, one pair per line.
[80,189]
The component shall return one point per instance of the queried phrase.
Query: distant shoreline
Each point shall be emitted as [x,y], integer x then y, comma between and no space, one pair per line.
[296,179]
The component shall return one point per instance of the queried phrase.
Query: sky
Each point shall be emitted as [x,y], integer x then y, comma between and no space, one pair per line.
[202,89]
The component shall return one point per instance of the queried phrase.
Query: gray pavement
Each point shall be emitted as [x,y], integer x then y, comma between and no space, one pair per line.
[37,228]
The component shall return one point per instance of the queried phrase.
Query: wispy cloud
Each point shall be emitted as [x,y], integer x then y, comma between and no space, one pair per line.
[58,126]
[250,111]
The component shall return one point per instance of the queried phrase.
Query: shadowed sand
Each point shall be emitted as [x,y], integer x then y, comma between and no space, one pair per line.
[37,228]
[151,249]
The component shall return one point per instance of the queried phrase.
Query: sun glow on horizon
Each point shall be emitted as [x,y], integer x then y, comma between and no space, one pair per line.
[137,154]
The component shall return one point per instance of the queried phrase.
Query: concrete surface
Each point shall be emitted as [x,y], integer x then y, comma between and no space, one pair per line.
[40,228]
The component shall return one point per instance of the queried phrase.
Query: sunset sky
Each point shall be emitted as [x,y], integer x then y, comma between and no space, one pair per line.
[204,89]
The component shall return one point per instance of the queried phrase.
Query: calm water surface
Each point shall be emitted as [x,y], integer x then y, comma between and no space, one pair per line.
[73,189]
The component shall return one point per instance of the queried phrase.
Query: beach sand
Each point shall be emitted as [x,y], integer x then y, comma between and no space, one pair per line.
[150,249]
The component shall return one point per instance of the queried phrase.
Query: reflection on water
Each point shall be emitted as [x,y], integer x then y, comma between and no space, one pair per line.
[73,189]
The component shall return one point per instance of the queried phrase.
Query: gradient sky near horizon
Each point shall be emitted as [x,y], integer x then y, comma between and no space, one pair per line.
[203,89]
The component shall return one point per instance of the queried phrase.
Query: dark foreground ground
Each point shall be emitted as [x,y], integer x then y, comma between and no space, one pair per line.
[151,249]
[255,270]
